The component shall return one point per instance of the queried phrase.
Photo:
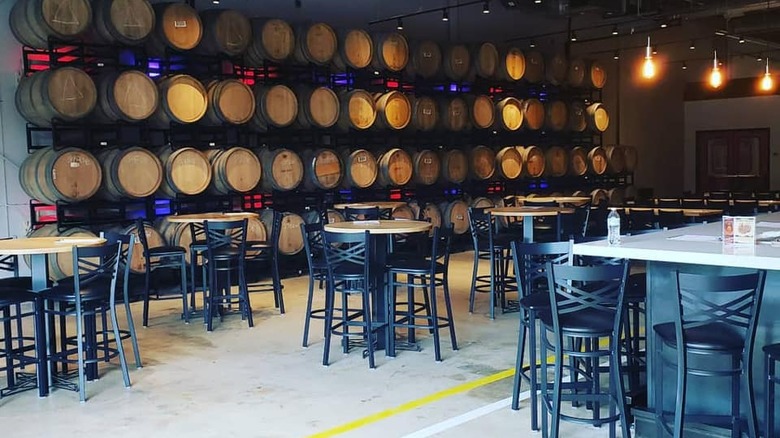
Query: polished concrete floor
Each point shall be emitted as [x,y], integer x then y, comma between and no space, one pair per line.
[260,382]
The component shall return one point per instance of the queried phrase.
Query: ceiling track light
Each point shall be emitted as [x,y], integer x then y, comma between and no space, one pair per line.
[663,25]
[538,2]
[759,58]
[445,15]
[741,40]
[616,55]
[614,30]
[399,24]
[693,45]
[573,36]
[486,7]
[532,44]
[684,66]
[655,50]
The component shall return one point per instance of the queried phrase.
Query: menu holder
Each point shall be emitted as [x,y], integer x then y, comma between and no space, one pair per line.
[739,230]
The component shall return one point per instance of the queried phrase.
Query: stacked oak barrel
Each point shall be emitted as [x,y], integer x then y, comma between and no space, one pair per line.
[65,94]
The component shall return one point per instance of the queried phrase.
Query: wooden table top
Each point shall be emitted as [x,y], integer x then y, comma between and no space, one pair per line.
[558,199]
[215,217]
[46,245]
[529,211]
[690,212]
[379,226]
[378,204]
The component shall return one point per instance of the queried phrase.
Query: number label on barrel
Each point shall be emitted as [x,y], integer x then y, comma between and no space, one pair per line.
[427,55]
[459,217]
[180,23]
[362,159]
[427,160]
[427,111]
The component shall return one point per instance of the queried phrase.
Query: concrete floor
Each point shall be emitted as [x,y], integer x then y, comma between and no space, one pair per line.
[260,382]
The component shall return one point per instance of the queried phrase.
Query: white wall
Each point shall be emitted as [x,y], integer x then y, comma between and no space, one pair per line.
[741,113]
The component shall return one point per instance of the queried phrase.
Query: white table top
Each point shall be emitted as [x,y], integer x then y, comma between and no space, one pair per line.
[379,227]
[214,217]
[689,212]
[378,204]
[558,199]
[46,245]
[528,211]
[694,249]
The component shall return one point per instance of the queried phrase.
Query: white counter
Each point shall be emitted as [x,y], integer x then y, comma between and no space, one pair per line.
[659,247]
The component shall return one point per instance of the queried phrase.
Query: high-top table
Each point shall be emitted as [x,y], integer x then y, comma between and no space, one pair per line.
[528,225]
[212,217]
[378,204]
[559,199]
[698,249]
[379,230]
[38,248]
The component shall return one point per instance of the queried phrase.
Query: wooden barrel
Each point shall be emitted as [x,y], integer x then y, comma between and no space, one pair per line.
[225,31]
[358,110]
[175,234]
[454,114]
[534,160]
[630,193]
[183,99]
[277,106]
[360,168]
[177,27]
[129,96]
[509,163]
[60,265]
[356,50]
[578,161]
[154,239]
[457,62]
[187,171]
[483,163]
[533,114]
[334,216]
[415,206]
[323,169]
[616,196]
[425,113]
[481,202]
[129,173]
[631,158]
[578,121]
[596,76]
[403,212]
[230,102]
[425,59]
[69,175]
[64,93]
[616,159]
[486,60]
[483,111]
[427,167]
[318,107]
[395,168]
[534,67]
[597,160]
[126,22]
[391,52]
[455,214]
[556,161]
[509,113]
[33,22]
[290,235]
[597,117]
[282,169]
[512,64]
[556,115]
[234,170]
[315,43]
[431,213]
[454,166]
[393,110]
[557,69]
[576,75]
[597,196]
[272,40]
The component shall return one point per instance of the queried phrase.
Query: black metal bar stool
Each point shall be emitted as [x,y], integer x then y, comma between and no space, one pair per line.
[716,321]
[772,356]
[490,246]
[318,271]
[163,257]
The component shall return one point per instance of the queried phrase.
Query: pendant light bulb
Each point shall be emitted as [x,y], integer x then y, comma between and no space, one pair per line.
[767,83]
[648,66]
[716,77]
[399,24]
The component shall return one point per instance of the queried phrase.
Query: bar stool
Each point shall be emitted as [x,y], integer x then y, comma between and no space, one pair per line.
[362,213]
[492,247]
[318,271]
[716,319]
[772,356]
[586,306]
[265,253]
[15,346]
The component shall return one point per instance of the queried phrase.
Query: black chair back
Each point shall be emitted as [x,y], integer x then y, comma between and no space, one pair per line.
[126,243]
[313,244]
[481,224]
[226,234]
[140,227]
[347,254]
[96,265]
[670,218]
[362,213]
[641,219]
[531,259]
[744,207]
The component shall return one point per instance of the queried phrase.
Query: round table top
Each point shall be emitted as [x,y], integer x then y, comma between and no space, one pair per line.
[378,204]
[214,217]
[528,211]
[46,245]
[691,212]
[379,227]
[558,199]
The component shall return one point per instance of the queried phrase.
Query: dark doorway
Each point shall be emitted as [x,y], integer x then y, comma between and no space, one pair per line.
[732,160]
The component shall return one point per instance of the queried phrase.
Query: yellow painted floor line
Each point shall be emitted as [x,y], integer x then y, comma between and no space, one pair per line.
[373,418]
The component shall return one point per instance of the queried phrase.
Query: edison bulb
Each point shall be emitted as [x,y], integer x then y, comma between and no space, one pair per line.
[767,83]
[648,68]
[716,78]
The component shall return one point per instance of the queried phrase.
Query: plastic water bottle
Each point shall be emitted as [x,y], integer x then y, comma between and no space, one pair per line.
[613,227]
